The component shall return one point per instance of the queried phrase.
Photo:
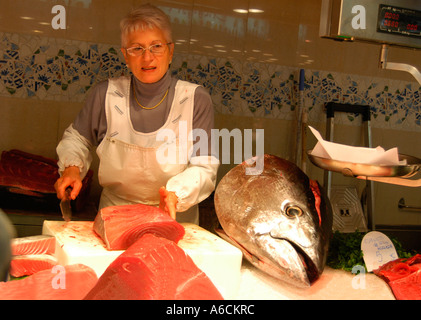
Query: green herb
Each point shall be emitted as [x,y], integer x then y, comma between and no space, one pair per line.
[345,250]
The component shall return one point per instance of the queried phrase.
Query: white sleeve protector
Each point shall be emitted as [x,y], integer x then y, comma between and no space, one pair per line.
[196,183]
[74,150]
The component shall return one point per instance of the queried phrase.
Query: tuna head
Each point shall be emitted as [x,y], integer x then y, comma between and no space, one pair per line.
[279,219]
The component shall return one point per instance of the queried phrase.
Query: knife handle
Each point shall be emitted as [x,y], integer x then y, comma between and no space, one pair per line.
[67,193]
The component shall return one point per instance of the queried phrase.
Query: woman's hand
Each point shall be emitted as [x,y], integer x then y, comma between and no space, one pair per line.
[168,202]
[69,178]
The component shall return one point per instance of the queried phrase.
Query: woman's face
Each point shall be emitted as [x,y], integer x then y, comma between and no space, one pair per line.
[148,67]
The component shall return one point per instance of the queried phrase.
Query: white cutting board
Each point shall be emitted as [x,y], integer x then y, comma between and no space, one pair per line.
[76,242]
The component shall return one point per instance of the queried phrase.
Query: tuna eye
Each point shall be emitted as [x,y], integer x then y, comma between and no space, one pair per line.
[293,212]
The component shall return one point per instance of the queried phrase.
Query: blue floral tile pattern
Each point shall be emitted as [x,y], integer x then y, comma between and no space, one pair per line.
[35,67]
[54,69]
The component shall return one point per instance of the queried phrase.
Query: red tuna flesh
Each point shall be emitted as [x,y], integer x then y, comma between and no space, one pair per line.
[407,288]
[399,268]
[34,175]
[41,244]
[28,171]
[26,265]
[154,268]
[120,226]
[403,276]
[72,282]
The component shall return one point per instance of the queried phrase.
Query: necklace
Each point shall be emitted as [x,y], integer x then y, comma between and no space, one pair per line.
[134,93]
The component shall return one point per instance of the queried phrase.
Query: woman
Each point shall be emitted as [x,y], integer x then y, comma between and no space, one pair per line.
[130,118]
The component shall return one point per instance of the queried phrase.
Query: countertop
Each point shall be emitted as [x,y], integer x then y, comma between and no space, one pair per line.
[332,285]
[246,282]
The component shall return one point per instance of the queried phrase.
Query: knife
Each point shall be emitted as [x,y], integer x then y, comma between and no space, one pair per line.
[65,207]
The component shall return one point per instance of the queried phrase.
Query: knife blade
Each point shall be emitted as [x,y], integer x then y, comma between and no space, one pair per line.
[65,207]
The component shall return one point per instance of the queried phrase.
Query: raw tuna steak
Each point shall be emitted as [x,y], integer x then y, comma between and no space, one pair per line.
[72,282]
[26,265]
[121,226]
[41,244]
[153,268]
[34,175]
[403,276]
[27,171]
[407,288]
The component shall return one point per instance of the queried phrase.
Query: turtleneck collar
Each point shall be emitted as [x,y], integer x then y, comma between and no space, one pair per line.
[151,90]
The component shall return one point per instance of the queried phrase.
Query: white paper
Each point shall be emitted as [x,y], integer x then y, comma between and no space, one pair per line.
[378,249]
[341,152]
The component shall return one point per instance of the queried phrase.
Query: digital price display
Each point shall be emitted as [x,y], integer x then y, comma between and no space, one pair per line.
[395,20]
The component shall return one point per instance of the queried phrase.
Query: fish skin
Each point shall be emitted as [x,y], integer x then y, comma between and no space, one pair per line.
[252,212]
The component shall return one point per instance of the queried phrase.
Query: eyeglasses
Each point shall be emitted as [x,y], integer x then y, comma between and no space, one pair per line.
[155,49]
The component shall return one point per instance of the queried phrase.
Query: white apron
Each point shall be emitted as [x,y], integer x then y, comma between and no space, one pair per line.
[129,171]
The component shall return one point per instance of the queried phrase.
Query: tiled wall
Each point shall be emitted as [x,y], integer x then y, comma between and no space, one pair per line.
[249,62]
[61,70]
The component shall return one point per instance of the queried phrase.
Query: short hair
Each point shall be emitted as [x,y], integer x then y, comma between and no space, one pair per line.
[145,17]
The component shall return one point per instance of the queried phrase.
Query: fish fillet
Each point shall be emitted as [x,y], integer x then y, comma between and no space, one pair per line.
[41,244]
[71,282]
[154,268]
[120,226]
[28,171]
[26,265]
[34,176]
[407,288]
[403,276]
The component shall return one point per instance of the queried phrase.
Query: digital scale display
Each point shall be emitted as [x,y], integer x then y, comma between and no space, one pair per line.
[400,21]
